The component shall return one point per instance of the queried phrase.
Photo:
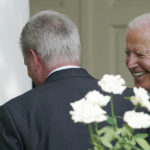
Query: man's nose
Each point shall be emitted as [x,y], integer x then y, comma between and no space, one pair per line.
[132,61]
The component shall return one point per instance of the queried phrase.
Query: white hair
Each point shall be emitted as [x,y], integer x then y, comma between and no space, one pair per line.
[53,36]
[140,22]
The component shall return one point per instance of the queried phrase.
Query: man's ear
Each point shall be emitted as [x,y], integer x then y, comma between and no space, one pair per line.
[35,58]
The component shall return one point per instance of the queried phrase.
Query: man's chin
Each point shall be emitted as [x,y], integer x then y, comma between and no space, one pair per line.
[137,84]
[142,85]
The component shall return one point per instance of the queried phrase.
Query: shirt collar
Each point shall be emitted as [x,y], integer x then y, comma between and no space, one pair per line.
[62,68]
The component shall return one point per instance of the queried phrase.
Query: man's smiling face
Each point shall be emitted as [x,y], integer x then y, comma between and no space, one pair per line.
[138,56]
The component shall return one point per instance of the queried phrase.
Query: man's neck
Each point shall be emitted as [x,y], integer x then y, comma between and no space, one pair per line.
[62,68]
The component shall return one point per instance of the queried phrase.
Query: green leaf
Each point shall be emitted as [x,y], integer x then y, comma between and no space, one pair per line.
[106,143]
[143,143]
[108,137]
[132,147]
[140,135]
[98,148]
[119,131]
[127,131]
[110,120]
[103,130]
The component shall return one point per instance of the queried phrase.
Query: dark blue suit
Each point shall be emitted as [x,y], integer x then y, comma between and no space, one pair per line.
[40,120]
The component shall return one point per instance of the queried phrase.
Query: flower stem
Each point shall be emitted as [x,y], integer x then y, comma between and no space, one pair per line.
[96,127]
[91,133]
[136,107]
[96,144]
[112,112]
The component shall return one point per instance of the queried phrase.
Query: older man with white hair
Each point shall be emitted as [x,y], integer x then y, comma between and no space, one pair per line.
[138,50]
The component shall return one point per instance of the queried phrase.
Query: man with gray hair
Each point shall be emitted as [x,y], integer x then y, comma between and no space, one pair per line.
[138,50]
[39,119]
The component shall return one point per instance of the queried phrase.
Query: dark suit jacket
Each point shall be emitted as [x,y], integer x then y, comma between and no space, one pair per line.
[40,120]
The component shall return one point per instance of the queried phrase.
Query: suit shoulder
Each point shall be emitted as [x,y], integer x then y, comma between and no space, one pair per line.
[24,98]
[128,92]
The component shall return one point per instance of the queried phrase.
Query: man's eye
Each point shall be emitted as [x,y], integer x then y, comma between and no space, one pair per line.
[139,54]
[127,53]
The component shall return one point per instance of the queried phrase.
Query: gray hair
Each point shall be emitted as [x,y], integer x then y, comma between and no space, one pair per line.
[140,21]
[53,36]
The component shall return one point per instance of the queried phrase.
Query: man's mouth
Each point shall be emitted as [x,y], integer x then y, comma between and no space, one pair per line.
[137,74]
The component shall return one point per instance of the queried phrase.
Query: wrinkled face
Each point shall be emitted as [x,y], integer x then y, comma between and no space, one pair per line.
[138,56]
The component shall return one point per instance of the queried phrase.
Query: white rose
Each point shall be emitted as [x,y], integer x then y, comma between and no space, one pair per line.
[112,84]
[141,97]
[96,98]
[137,120]
[86,112]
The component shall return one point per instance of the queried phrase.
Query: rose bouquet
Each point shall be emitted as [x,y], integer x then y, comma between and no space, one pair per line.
[89,110]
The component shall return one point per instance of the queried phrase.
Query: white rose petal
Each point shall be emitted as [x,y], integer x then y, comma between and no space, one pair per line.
[96,98]
[137,120]
[77,104]
[141,97]
[86,112]
[112,84]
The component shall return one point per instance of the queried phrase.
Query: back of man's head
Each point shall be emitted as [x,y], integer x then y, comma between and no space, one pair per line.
[53,36]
